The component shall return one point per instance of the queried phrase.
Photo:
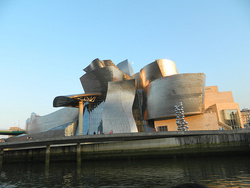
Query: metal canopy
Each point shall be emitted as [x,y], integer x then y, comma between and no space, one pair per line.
[73,100]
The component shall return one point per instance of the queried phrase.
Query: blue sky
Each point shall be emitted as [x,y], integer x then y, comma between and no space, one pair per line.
[44,45]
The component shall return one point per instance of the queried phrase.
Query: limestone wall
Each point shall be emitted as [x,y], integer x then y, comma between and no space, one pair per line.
[206,121]
[200,144]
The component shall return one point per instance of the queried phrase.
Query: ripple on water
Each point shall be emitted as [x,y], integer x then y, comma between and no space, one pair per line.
[213,172]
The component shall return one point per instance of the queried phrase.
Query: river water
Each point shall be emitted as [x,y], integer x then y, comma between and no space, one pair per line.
[211,172]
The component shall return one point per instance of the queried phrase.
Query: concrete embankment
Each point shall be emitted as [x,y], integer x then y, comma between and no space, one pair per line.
[129,146]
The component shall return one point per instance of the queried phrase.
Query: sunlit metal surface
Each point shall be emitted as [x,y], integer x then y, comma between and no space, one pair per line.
[158,69]
[97,63]
[96,81]
[117,111]
[136,76]
[164,93]
[126,67]
[36,123]
[111,102]
[167,67]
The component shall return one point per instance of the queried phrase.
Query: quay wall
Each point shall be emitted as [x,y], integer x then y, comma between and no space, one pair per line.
[171,145]
[191,146]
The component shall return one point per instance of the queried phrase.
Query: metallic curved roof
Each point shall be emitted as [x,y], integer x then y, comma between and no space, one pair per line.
[164,93]
[96,81]
[155,70]
[126,67]
[97,63]
[73,100]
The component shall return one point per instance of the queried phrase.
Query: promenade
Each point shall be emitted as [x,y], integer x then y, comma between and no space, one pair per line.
[128,145]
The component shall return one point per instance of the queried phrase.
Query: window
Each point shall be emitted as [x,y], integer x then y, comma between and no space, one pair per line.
[231,118]
[162,128]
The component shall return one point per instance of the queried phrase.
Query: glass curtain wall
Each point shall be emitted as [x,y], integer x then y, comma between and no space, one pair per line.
[231,118]
[92,118]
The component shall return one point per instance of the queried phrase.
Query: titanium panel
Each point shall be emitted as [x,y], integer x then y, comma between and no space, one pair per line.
[158,69]
[108,62]
[97,63]
[136,76]
[126,67]
[164,93]
[117,111]
[37,124]
[167,67]
[96,81]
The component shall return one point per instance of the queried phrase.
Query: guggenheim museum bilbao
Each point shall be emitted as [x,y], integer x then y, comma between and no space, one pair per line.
[117,100]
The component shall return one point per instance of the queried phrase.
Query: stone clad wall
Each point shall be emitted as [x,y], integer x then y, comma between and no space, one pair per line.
[206,121]
[190,145]
[202,143]
[213,96]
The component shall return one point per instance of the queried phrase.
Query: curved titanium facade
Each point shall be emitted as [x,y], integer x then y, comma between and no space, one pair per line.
[136,76]
[96,81]
[126,67]
[164,93]
[97,63]
[117,111]
[167,67]
[158,69]
[123,101]
[62,117]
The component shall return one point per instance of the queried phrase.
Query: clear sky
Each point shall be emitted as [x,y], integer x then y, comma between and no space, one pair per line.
[44,45]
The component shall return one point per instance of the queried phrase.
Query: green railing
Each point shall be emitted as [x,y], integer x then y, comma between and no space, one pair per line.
[10,132]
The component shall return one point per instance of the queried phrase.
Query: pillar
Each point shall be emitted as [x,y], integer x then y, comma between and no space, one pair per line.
[1,152]
[80,118]
[79,160]
[47,156]
[1,159]
[79,153]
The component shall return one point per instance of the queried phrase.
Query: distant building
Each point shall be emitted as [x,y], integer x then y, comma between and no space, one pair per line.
[245,115]
[118,100]
[15,129]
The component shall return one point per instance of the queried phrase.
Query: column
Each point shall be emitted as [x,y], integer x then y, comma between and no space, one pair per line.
[79,160]
[80,119]
[47,161]
[78,153]
[1,159]
[47,155]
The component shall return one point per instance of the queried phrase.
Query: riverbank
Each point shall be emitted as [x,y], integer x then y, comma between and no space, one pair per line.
[129,146]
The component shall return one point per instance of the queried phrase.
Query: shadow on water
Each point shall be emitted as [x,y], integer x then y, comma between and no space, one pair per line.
[212,172]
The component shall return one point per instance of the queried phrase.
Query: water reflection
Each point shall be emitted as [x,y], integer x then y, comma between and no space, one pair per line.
[213,172]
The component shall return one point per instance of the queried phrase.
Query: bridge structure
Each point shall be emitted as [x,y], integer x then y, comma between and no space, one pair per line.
[11,132]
